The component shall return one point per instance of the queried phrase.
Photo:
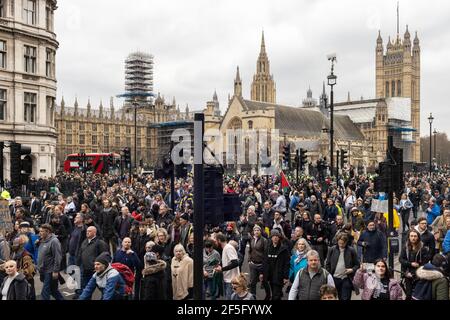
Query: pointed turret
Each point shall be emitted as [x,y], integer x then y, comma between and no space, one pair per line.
[111,107]
[88,108]
[263,45]
[309,93]
[63,105]
[237,84]
[379,39]
[100,109]
[75,105]
[416,40]
[215,95]
[389,45]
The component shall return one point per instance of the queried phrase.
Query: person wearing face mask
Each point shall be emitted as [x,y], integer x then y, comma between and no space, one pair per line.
[379,284]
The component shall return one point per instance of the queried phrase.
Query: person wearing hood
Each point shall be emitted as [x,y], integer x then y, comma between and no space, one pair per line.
[15,285]
[153,278]
[107,279]
[49,262]
[373,243]
[430,273]
[276,265]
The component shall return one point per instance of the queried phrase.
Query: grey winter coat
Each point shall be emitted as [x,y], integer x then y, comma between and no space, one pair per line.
[49,259]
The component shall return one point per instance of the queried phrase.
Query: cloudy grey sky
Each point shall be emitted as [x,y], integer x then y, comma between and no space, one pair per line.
[197,45]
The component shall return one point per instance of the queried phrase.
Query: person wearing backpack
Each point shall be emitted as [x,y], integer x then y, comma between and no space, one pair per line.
[431,284]
[15,286]
[309,280]
[107,279]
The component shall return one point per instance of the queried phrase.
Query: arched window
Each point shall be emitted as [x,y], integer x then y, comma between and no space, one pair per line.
[387,89]
[250,124]
[399,88]
[393,88]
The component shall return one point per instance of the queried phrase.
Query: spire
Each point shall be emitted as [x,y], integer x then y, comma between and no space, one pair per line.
[398,20]
[76,103]
[348,96]
[416,40]
[88,107]
[111,106]
[174,103]
[379,39]
[238,84]
[101,109]
[407,35]
[263,44]
[63,103]
[309,93]
[215,95]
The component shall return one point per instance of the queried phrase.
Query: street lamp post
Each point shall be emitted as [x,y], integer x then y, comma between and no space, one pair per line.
[332,82]
[434,133]
[135,104]
[430,119]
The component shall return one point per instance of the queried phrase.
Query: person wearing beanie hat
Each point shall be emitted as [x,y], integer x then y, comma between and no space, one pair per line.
[276,266]
[106,278]
[256,256]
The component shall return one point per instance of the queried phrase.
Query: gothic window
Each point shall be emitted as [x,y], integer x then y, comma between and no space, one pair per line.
[3,103]
[387,89]
[82,139]
[30,105]
[50,111]
[94,140]
[29,11]
[117,141]
[69,139]
[250,124]
[30,59]
[393,88]
[2,54]
[2,8]
[81,126]
[50,63]
[49,16]
[69,125]
[399,88]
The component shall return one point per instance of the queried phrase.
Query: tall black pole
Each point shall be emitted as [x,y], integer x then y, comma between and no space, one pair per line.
[434,154]
[297,155]
[2,178]
[331,133]
[199,219]
[431,146]
[172,181]
[390,204]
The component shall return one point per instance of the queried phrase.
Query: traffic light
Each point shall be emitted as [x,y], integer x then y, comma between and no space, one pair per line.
[127,156]
[20,169]
[382,183]
[397,170]
[167,167]
[303,158]
[213,195]
[344,158]
[287,155]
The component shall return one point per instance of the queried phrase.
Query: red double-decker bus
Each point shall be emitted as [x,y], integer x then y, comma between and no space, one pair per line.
[94,162]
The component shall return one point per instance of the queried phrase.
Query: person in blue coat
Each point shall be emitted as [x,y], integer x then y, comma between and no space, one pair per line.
[373,243]
[30,246]
[298,258]
[446,243]
[107,279]
[433,211]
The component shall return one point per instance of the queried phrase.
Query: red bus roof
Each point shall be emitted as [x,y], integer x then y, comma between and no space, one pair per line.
[93,154]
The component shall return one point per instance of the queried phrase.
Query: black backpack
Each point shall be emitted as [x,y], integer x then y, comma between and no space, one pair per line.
[423,290]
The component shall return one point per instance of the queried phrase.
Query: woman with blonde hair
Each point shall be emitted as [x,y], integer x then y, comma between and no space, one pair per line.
[298,258]
[240,288]
[182,268]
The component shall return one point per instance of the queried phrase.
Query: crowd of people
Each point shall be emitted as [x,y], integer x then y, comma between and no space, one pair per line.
[317,240]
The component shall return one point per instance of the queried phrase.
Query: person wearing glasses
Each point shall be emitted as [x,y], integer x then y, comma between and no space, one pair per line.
[240,288]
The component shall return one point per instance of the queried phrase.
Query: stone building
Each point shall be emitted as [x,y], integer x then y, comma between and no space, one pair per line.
[28,48]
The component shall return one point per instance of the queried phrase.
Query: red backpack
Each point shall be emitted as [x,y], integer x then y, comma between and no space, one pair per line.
[127,276]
